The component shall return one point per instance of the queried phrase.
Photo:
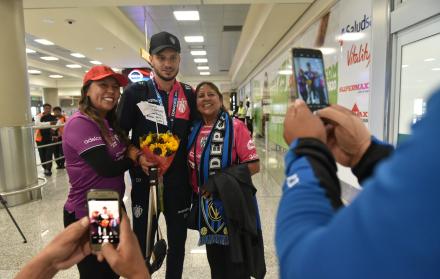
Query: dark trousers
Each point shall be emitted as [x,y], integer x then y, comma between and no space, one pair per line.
[222,267]
[58,152]
[176,203]
[89,267]
[46,154]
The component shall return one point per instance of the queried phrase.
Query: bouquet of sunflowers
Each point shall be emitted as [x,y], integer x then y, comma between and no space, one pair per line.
[160,148]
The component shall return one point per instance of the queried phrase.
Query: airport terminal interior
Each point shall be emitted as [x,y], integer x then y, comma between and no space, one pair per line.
[380,60]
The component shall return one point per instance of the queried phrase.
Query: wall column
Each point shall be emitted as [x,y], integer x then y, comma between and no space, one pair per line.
[50,95]
[18,171]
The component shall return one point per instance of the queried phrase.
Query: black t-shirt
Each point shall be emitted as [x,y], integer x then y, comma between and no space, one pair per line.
[46,134]
[131,118]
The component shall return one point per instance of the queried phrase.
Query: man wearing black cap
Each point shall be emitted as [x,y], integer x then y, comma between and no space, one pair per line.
[178,101]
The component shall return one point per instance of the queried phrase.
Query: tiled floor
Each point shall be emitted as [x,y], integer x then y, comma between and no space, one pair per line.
[42,220]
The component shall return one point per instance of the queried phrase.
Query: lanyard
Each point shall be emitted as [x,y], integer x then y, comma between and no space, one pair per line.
[172,116]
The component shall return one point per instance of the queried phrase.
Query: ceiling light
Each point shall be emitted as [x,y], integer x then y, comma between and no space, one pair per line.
[353,36]
[194,39]
[435,69]
[55,76]
[198,52]
[28,50]
[95,62]
[99,48]
[77,55]
[201,60]
[116,69]
[205,73]
[49,58]
[327,50]
[34,72]
[73,66]
[429,59]
[285,72]
[203,68]
[405,66]
[44,42]
[186,15]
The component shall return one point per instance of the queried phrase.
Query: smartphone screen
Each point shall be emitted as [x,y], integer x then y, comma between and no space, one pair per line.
[104,220]
[311,86]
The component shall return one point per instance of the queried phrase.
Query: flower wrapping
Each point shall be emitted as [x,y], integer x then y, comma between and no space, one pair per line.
[160,148]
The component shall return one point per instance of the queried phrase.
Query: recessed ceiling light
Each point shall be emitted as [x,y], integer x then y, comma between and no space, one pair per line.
[48,20]
[116,69]
[99,48]
[405,66]
[77,55]
[34,72]
[286,72]
[429,59]
[186,15]
[205,73]
[201,60]
[194,39]
[49,58]
[203,68]
[327,50]
[73,66]
[55,76]
[44,42]
[198,52]
[95,62]
[28,50]
[435,69]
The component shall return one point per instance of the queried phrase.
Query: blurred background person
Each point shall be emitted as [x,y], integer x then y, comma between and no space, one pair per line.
[58,137]
[45,136]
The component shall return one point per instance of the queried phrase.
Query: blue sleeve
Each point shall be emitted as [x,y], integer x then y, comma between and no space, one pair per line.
[391,230]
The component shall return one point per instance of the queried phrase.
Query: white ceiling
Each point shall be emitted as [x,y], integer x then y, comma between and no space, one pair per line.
[112,31]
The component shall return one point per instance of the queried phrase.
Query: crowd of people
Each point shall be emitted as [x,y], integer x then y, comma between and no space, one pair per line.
[386,232]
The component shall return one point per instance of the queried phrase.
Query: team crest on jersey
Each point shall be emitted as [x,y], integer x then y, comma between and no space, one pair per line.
[137,211]
[181,105]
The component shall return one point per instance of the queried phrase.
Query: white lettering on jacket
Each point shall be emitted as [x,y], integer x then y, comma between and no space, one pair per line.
[90,140]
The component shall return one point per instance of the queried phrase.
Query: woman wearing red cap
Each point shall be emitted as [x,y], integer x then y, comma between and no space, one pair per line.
[97,152]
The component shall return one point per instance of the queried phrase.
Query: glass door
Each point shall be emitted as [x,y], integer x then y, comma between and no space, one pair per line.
[417,75]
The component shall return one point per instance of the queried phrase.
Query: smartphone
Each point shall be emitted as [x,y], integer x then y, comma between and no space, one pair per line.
[104,217]
[309,73]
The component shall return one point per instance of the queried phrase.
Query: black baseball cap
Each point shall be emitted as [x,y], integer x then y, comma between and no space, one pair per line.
[163,40]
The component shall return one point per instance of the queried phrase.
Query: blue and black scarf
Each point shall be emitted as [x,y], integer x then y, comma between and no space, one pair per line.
[216,155]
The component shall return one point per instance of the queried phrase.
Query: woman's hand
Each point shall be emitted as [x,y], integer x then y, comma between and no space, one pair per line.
[145,164]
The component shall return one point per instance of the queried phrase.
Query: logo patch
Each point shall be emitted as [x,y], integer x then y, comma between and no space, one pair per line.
[137,211]
[250,145]
[181,105]
[292,180]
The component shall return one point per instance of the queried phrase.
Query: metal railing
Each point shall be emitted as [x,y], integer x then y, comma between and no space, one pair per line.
[42,127]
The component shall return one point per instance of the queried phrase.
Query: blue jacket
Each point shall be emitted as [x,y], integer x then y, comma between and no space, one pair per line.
[391,230]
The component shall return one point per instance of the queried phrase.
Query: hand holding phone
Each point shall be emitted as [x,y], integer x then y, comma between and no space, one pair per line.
[104,217]
[309,73]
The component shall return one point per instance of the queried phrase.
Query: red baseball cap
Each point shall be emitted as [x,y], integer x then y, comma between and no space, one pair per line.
[101,72]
